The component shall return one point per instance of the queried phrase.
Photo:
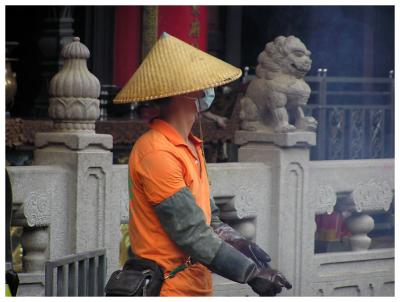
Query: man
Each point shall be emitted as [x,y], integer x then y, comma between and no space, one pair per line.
[173,219]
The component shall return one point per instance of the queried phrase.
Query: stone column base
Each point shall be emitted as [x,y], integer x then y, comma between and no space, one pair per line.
[31,284]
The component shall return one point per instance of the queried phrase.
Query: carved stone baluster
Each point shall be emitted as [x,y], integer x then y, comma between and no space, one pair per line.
[34,242]
[33,214]
[360,224]
[246,227]
[369,197]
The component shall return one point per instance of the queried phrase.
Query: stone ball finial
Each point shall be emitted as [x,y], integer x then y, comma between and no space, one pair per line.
[74,91]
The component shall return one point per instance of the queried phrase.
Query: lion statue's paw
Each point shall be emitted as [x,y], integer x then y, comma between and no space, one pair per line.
[307,123]
[284,128]
[254,126]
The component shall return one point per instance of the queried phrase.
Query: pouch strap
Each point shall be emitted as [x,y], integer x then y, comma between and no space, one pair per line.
[179,268]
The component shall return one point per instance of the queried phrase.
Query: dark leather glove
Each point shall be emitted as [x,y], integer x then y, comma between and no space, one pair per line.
[269,282]
[245,246]
[237,240]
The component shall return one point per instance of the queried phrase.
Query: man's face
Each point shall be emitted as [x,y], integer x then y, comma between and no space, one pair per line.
[184,105]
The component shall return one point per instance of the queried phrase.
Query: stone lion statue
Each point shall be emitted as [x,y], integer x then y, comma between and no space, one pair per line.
[279,86]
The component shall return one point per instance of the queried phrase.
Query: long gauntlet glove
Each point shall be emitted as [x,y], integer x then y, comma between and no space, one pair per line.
[185,224]
[237,240]
[266,281]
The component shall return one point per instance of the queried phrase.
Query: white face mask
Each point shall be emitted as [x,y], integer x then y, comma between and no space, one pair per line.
[205,102]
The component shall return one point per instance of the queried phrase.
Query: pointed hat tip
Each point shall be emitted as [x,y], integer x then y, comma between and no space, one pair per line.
[164,35]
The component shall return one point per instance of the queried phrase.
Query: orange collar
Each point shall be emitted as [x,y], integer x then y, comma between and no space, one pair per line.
[171,133]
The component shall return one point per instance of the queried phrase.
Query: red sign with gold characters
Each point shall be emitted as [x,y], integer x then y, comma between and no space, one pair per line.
[137,28]
[188,23]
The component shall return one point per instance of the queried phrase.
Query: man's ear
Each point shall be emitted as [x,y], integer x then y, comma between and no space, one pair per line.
[148,113]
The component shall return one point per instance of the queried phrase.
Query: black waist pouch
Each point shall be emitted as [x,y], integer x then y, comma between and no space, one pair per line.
[138,277]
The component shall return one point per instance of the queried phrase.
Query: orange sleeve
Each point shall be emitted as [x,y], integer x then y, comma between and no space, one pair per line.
[161,175]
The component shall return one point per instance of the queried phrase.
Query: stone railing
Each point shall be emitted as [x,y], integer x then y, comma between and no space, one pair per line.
[243,191]
[361,187]
[73,199]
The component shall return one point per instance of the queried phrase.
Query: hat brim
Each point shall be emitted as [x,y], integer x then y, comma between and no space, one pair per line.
[174,67]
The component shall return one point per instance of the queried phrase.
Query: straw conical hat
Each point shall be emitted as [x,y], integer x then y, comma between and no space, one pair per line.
[174,67]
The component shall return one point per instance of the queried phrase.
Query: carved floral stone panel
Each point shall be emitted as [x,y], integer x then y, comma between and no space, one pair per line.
[372,195]
[36,208]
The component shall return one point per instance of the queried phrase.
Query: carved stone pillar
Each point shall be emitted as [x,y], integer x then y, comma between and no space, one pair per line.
[287,155]
[92,217]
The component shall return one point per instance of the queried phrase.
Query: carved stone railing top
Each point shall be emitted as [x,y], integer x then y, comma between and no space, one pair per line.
[236,188]
[373,195]
[33,191]
[346,176]
[370,196]
[324,198]
[241,191]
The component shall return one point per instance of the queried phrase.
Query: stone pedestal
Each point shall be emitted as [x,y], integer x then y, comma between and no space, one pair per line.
[31,284]
[93,220]
[288,157]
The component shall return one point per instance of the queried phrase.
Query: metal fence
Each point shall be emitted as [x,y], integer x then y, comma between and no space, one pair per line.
[355,116]
[81,274]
